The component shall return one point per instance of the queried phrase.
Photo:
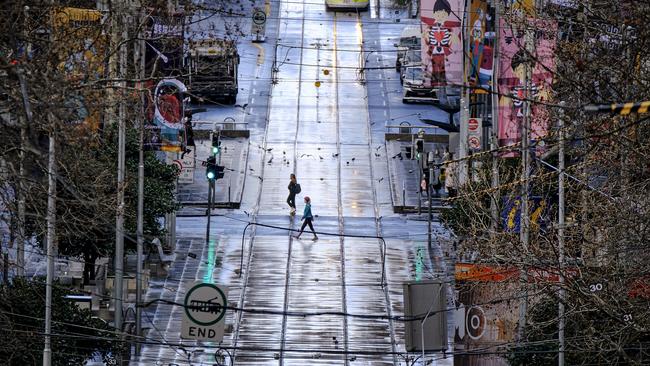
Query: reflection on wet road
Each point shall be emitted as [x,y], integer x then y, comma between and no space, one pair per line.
[318,128]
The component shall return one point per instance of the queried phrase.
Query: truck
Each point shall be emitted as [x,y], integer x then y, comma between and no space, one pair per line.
[212,68]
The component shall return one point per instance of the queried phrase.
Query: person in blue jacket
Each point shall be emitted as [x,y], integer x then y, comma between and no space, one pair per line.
[307,219]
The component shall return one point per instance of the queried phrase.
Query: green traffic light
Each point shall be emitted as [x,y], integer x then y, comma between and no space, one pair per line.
[210,175]
[215,150]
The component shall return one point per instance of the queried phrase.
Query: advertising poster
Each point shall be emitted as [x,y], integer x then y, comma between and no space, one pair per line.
[82,55]
[442,45]
[166,113]
[481,46]
[512,81]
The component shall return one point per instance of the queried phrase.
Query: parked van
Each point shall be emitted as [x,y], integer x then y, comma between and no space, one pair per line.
[409,39]
[411,58]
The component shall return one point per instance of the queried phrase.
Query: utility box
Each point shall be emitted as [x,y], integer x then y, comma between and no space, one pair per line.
[424,298]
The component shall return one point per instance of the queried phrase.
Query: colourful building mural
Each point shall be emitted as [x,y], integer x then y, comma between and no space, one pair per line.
[442,45]
[513,90]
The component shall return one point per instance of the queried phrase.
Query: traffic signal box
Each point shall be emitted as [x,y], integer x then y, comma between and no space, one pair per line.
[212,170]
[419,148]
[216,143]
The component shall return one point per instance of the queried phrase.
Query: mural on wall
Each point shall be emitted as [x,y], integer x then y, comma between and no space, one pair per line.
[442,45]
[513,91]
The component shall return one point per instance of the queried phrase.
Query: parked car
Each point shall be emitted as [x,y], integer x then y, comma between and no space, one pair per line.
[413,89]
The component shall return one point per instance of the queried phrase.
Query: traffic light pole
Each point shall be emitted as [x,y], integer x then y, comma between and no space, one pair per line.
[209,214]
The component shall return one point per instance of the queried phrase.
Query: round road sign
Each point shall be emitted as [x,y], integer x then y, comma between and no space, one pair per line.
[205,304]
[259,17]
[472,124]
[178,164]
[474,142]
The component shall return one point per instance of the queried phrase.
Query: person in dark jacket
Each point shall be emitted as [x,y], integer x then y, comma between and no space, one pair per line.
[307,219]
[294,188]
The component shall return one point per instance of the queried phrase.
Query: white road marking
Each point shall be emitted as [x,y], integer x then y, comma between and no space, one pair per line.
[384,103]
[252,100]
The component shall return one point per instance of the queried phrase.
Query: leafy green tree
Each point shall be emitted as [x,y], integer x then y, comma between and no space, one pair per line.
[76,335]
[86,197]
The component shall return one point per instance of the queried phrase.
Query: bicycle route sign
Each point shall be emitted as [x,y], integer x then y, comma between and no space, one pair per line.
[204,312]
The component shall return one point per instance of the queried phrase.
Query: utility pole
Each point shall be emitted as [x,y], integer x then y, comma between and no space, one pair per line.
[464,104]
[118,34]
[50,218]
[51,238]
[560,235]
[139,60]
[494,137]
[429,193]
[524,220]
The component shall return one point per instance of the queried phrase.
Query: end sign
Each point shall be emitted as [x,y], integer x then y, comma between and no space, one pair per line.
[204,312]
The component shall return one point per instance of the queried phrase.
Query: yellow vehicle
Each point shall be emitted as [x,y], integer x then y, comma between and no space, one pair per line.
[347,4]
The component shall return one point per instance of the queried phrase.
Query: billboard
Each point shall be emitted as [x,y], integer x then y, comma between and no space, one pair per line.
[165,130]
[482,36]
[513,63]
[442,45]
[82,57]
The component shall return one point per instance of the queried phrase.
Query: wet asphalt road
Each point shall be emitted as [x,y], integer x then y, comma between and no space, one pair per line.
[331,137]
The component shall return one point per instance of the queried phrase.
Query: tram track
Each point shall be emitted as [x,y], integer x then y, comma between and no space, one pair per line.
[378,228]
[246,274]
[292,220]
[346,340]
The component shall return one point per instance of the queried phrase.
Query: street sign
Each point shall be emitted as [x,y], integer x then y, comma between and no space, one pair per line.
[258,26]
[474,133]
[186,165]
[178,164]
[473,124]
[474,143]
[204,312]
[187,168]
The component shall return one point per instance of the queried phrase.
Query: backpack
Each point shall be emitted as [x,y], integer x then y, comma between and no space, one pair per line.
[297,189]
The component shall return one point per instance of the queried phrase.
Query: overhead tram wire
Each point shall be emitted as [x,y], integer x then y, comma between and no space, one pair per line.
[149,341]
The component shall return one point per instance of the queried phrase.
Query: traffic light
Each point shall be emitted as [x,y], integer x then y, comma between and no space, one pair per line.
[220,171]
[216,143]
[211,168]
[419,147]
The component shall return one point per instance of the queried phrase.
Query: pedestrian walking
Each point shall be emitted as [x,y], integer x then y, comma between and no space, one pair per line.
[294,189]
[307,219]
[450,175]
[437,180]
